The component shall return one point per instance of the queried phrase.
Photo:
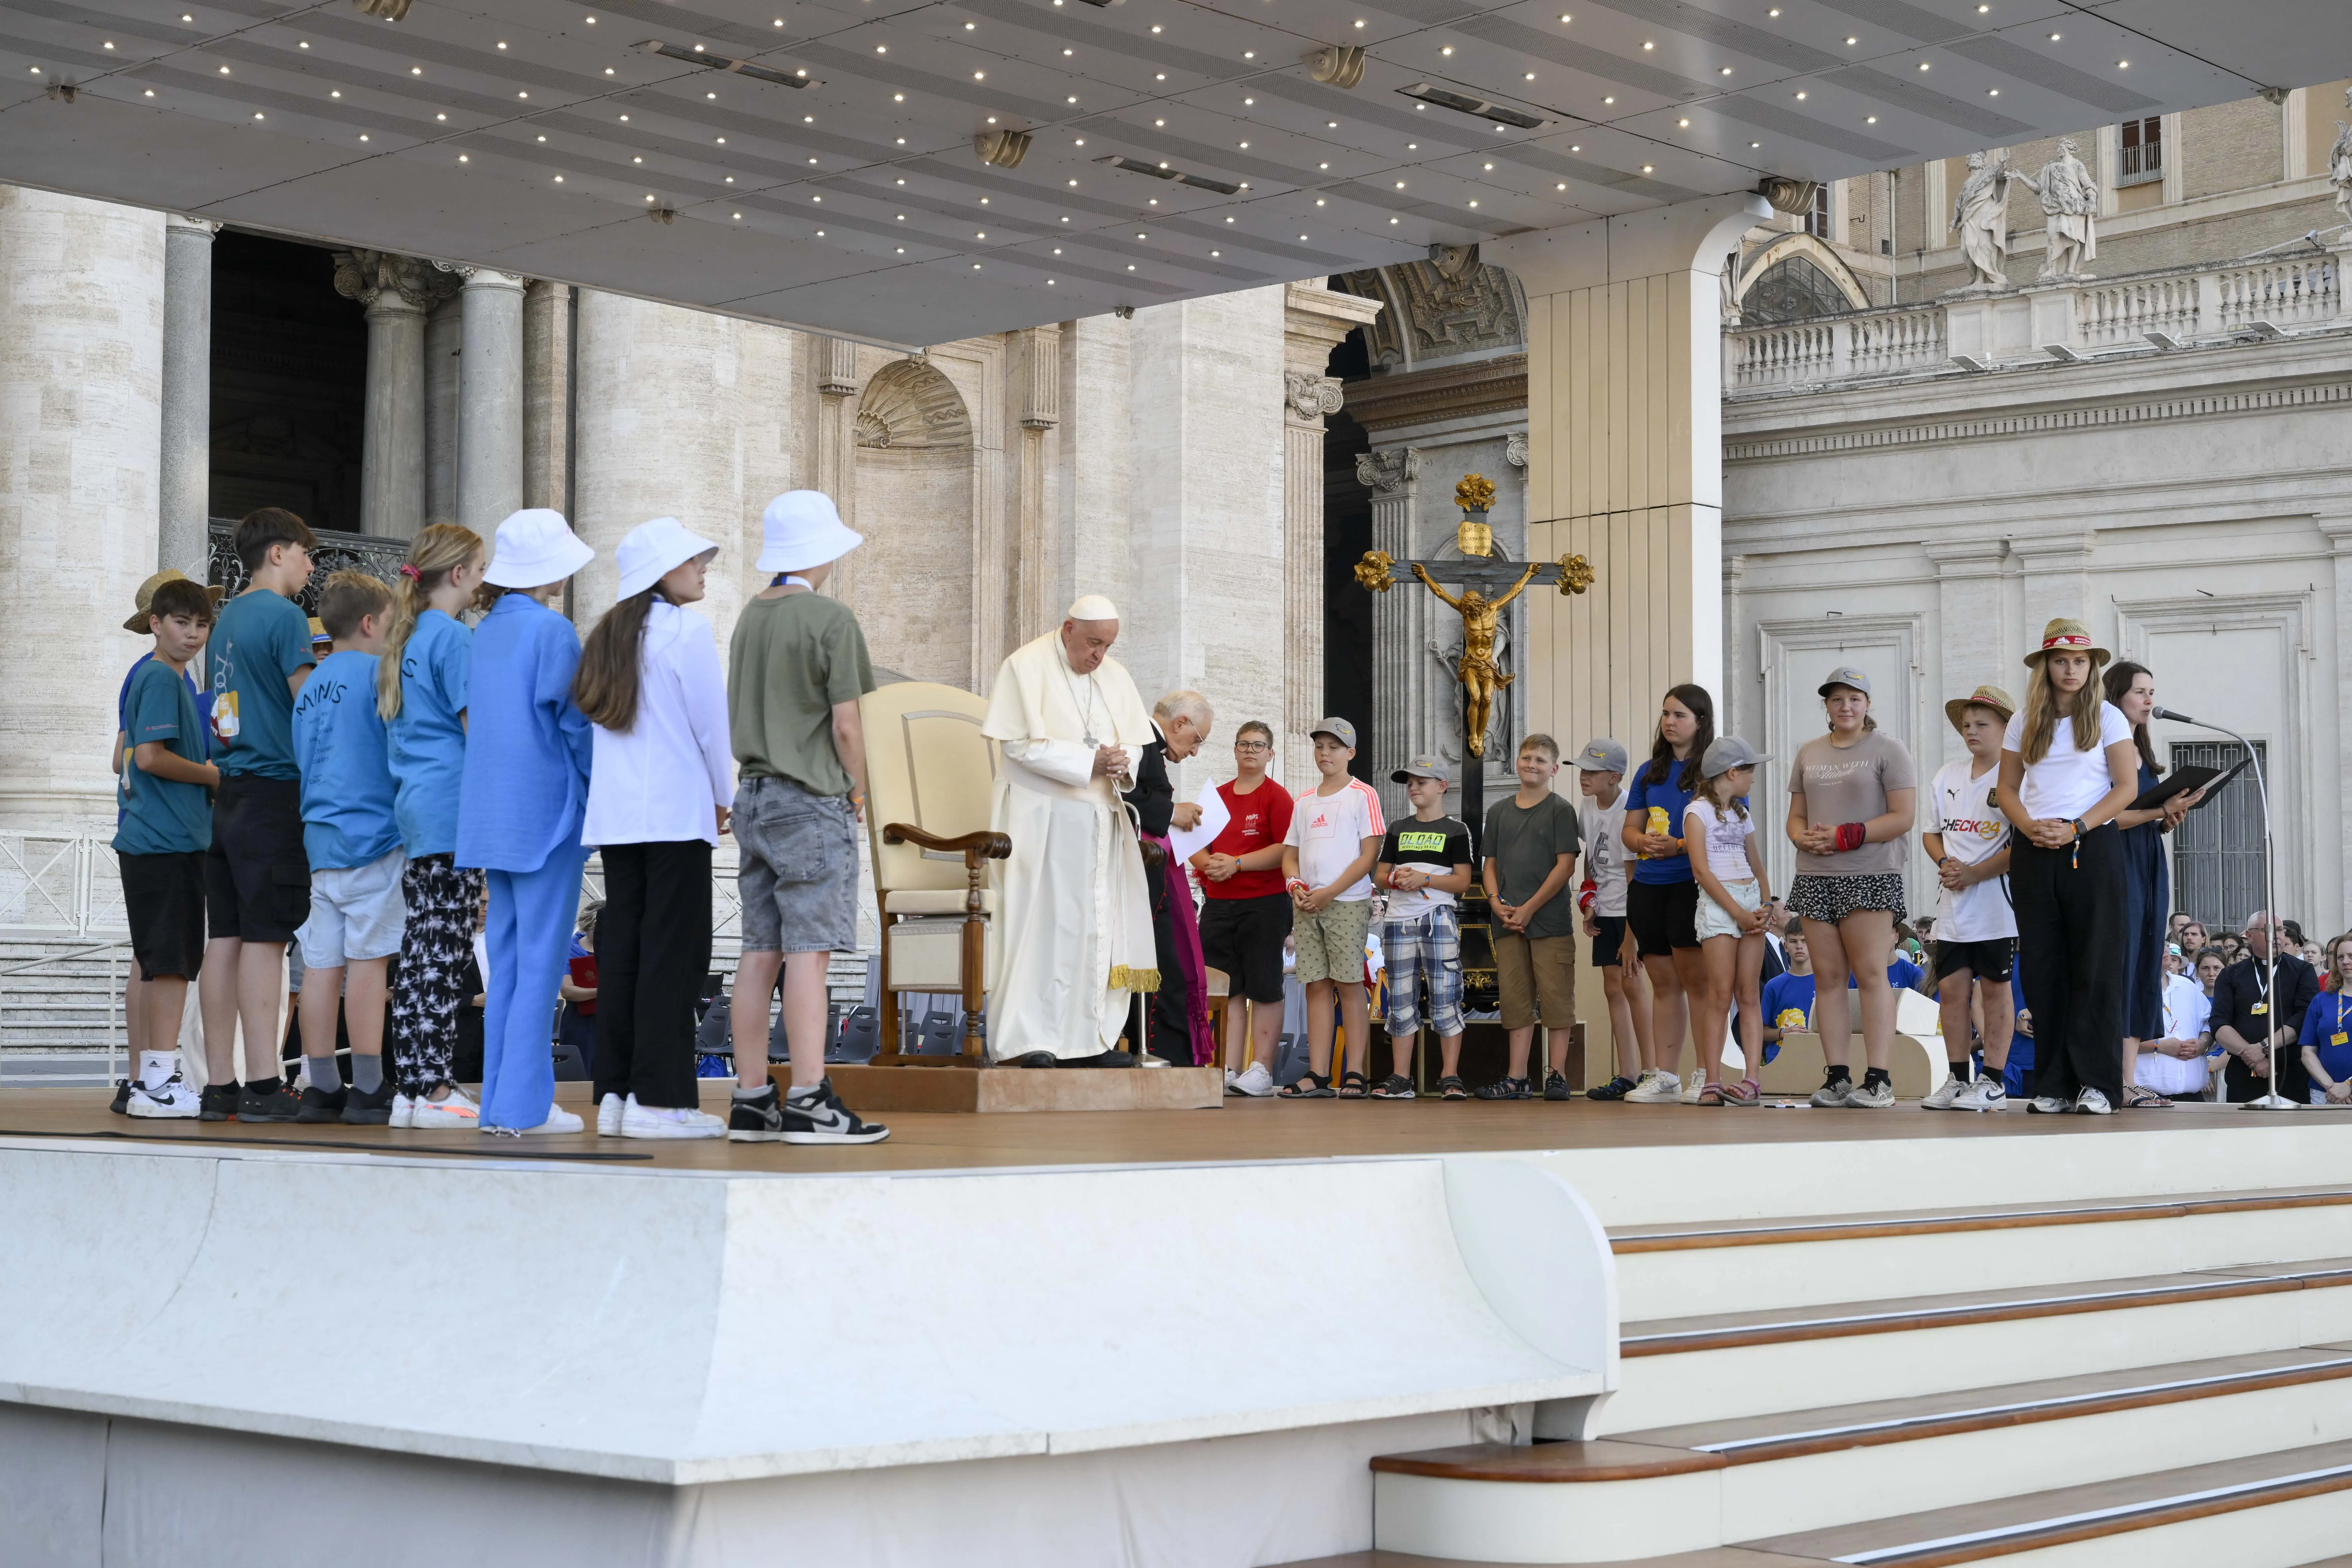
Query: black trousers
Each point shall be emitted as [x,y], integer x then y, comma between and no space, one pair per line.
[2072,922]
[653,953]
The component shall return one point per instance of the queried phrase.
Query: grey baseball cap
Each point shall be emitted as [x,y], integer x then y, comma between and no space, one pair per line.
[1428,765]
[1727,753]
[1600,756]
[1845,675]
[1339,728]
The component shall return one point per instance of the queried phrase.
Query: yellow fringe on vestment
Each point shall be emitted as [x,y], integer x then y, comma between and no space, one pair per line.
[1124,978]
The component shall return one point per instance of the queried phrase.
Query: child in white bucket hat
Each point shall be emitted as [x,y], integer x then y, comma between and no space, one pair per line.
[794,672]
[519,804]
[649,681]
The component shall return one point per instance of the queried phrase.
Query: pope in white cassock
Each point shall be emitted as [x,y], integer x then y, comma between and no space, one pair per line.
[1072,927]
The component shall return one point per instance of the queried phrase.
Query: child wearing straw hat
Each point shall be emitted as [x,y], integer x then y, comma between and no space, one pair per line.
[2067,766]
[1976,931]
[519,804]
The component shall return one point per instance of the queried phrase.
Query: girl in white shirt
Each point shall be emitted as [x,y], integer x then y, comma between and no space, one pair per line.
[2067,767]
[650,681]
[1734,889]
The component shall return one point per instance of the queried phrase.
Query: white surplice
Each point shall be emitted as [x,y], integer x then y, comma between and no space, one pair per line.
[1072,935]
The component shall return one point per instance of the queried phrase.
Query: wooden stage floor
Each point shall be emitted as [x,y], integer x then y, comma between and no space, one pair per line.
[1241,1130]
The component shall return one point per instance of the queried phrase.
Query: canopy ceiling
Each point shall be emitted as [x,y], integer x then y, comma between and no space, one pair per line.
[543,137]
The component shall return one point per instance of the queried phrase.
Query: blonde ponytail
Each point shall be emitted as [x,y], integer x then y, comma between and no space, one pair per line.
[440,549]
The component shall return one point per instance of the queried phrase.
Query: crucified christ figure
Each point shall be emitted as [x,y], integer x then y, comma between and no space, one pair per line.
[1480,679]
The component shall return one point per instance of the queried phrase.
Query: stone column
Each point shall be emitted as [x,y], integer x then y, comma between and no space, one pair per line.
[1401,667]
[489,399]
[1625,458]
[1034,372]
[2338,530]
[547,394]
[835,361]
[1315,320]
[183,502]
[1090,461]
[444,437]
[398,290]
[1972,635]
[82,292]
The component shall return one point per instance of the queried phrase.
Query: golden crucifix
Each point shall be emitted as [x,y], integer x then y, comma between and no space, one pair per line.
[1480,574]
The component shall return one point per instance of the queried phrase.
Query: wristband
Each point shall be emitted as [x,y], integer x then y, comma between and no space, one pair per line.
[2081,831]
[1849,836]
[1296,884]
[1587,894]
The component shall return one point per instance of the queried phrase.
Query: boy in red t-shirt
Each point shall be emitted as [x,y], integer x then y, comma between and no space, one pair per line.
[1246,918]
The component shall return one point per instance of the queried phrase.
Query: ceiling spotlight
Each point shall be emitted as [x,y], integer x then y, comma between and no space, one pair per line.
[2123,65]
[1923,66]
[1647,45]
[338,92]
[1608,101]
[1725,71]
[1684,123]
[1992,92]
[1870,120]
[1851,42]
[1756,144]
[1447,50]
[2056,37]
[1801,98]
[1648,168]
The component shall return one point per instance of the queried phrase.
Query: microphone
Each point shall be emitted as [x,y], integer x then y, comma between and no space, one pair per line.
[2177,718]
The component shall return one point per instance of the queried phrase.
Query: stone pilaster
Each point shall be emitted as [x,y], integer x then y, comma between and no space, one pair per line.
[2057,568]
[82,288]
[398,291]
[1401,673]
[1090,462]
[1033,370]
[835,361]
[445,435]
[1975,640]
[2338,530]
[489,398]
[1314,321]
[547,394]
[183,502]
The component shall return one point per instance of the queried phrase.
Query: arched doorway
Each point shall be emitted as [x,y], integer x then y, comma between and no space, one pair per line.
[914,506]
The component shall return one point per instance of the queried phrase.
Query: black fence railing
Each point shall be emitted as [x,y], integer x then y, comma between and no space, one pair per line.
[377,557]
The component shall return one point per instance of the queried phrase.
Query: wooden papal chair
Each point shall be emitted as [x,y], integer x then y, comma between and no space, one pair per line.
[931,780]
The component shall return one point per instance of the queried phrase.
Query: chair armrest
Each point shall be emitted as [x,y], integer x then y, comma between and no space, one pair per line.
[989,845]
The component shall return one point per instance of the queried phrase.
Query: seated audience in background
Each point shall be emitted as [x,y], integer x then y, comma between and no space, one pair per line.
[575,1022]
[2324,1040]
[2247,1018]
[2175,1066]
[2208,969]
[2191,939]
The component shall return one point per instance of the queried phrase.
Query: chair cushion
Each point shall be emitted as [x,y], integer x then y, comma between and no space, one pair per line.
[934,901]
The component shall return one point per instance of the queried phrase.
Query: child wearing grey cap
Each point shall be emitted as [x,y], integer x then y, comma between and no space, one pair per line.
[1733,887]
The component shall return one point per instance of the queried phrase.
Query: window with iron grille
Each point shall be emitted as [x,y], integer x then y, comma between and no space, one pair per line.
[2142,150]
[2217,850]
[1817,221]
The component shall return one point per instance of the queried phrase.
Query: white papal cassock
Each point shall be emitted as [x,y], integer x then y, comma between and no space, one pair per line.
[1072,935]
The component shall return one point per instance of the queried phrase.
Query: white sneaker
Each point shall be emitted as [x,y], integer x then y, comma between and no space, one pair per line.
[401,1108]
[2047,1105]
[457,1111]
[559,1121]
[1256,1081]
[665,1121]
[172,1101]
[608,1116]
[1946,1096]
[1690,1095]
[1984,1094]
[1657,1088]
[2091,1102]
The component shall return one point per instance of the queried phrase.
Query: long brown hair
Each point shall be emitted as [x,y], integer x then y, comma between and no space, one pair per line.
[2044,703]
[438,549]
[2117,682]
[1662,751]
[605,685]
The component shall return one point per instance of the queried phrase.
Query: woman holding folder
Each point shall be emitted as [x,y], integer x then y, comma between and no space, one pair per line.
[2148,892]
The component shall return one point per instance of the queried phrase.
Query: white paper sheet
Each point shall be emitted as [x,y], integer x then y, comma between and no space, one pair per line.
[1189,842]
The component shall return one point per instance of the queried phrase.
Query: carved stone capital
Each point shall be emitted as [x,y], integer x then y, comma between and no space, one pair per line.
[369,276]
[186,224]
[1310,398]
[836,373]
[1514,450]
[474,277]
[1390,471]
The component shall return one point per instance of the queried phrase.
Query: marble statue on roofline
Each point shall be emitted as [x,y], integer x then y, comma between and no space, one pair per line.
[1980,218]
[2069,206]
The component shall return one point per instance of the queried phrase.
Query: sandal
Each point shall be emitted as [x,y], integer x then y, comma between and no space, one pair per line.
[1352,1085]
[1710,1094]
[1396,1086]
[2137,1098]
[1746,1091]
[1309,1087]
[1452,1087]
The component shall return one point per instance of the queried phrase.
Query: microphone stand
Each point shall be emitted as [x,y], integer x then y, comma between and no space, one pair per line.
[2273,1101]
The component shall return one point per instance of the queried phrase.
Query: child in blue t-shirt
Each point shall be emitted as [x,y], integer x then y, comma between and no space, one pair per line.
[159,845]
[1661,898]
[1788,999]
[2325,1036]
[356,912]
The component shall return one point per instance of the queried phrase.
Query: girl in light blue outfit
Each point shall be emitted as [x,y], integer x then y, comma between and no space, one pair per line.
[520,807]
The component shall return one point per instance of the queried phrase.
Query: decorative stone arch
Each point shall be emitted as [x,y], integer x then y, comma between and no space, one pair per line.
[1805,251]
[909,404]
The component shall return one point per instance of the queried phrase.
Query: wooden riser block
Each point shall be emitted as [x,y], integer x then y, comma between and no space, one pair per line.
[884,1089]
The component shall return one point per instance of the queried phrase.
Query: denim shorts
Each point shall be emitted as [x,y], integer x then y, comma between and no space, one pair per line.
[798,868]
[356,912]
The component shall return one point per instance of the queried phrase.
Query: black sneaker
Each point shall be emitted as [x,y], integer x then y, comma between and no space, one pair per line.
[758,1119]
[267,1101]
[1504,1089]
[1556,1088]
[365,1110]
[121,1106]
[319,1105]
[1617,1088]
[817,1116]
[217,1102]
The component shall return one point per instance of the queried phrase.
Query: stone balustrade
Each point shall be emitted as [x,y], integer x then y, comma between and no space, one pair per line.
[2081,318]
